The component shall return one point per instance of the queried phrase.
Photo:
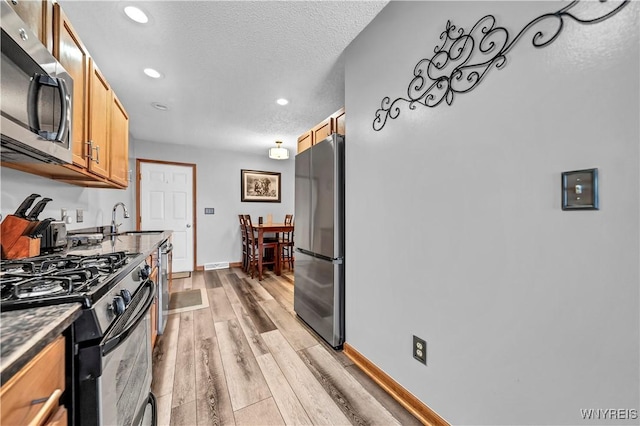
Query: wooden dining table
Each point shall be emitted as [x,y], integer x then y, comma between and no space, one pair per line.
[263,228]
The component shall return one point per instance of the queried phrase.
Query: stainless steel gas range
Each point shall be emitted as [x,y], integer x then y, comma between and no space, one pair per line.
[111,339]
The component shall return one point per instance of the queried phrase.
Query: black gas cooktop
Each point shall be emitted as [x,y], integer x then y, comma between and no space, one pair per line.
[57,278]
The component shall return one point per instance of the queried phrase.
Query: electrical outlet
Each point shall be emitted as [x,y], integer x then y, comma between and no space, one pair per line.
[79,215]
[420,350]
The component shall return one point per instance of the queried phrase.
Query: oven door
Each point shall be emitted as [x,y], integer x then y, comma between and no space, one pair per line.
[118,392]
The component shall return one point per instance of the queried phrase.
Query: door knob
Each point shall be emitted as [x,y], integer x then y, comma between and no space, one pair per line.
[188,225]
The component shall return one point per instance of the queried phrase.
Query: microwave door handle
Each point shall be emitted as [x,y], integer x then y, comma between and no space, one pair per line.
[65,106]
[37,82]
[32,103]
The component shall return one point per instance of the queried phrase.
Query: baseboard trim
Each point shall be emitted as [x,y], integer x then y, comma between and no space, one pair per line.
[235,264]
[200,268]
[416,407]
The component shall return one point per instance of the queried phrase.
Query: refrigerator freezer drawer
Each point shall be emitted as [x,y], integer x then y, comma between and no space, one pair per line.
[319,296]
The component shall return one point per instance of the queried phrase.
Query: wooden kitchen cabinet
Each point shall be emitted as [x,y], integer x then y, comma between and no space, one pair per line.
[100,124]
[99,114]
[74,57]
[119,143]
[37,14]
[322,130]
[335,123]
[33,393]
[305,141]
[339,120]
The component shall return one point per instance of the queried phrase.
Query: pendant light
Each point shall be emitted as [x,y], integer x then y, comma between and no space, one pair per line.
[279,153]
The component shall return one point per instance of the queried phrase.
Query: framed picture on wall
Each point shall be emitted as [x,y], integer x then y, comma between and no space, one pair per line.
[257,186]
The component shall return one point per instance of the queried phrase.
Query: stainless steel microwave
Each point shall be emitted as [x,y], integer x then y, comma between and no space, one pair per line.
[35,107]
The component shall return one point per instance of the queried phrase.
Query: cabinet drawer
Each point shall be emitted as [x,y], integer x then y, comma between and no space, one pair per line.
[26,393]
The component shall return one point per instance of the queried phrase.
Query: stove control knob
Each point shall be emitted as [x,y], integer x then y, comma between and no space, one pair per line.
[118,305]
[126,296]
[145,271]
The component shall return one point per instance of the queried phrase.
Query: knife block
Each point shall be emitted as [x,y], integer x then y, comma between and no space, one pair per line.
[12,229]
[23,247]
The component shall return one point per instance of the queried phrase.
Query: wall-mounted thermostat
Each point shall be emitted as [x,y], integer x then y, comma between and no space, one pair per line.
[580,190]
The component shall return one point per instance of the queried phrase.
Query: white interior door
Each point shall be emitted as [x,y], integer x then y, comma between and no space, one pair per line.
[166,202]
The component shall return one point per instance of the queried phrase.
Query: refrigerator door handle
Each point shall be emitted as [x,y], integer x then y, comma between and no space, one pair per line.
[336,260]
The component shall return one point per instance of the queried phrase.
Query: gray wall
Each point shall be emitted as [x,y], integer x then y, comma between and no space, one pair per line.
[96,203]
[218,186]
[455,231]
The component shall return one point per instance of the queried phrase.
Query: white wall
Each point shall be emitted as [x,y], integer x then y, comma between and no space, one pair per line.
[455,231]
[96,203]
[218,186]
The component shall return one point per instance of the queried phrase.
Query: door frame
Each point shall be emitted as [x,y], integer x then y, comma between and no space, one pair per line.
[139,162]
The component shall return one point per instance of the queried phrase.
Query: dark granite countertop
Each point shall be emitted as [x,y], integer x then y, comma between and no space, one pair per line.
[26,332]
[23,333]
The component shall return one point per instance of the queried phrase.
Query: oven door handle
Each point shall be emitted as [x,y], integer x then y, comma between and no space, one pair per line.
[112,343]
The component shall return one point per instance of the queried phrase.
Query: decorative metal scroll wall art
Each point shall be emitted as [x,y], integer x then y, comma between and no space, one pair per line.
[462,61]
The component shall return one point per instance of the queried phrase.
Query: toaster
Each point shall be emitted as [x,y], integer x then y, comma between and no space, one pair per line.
[54,237]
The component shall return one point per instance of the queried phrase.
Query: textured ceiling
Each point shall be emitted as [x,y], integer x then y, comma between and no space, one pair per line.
[224,64]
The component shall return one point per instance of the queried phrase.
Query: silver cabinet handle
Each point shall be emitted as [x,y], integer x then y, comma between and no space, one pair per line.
[90,153]
[98,154]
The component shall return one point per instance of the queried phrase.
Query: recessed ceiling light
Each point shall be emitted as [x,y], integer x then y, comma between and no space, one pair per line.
[159,106]
[152,73]
[282,101]
[136,14]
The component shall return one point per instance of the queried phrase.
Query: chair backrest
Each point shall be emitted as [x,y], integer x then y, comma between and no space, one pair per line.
[288,236]
[248,229]
[288,219]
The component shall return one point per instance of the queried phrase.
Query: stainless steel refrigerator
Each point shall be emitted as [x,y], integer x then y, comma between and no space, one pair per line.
[319,238]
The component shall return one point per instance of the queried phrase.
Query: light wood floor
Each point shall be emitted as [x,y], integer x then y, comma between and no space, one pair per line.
[246,359]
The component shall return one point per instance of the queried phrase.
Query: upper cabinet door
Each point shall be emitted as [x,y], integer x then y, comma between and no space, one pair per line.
[119,147]
[73,56]
[305,141]
[99,107]
[37,14]
[322,130]
[339,119]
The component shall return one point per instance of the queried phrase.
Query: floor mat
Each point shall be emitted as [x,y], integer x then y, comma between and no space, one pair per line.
[181,275]
[188,300]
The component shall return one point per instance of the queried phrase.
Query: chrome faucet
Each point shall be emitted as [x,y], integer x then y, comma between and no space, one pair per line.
[114,227]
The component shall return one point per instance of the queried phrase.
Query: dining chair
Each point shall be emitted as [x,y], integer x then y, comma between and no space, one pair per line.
[253,250]
[285,244]
[243,232]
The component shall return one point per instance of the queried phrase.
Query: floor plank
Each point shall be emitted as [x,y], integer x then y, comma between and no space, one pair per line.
[348,394]
[290,408]
[289,326]
[316,402]
[211,279]
[398,411]
[257,291]
[185,378]
[244,379]
[280,290]
[164,409]
[254,339]
[219,304]
[184,415]
[228,289]
[164,358]
[213,404]
[264,412]
[197,281]
[260,319]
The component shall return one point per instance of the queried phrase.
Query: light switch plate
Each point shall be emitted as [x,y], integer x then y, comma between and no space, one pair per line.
[580,190]
[209,210]
[79,215]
